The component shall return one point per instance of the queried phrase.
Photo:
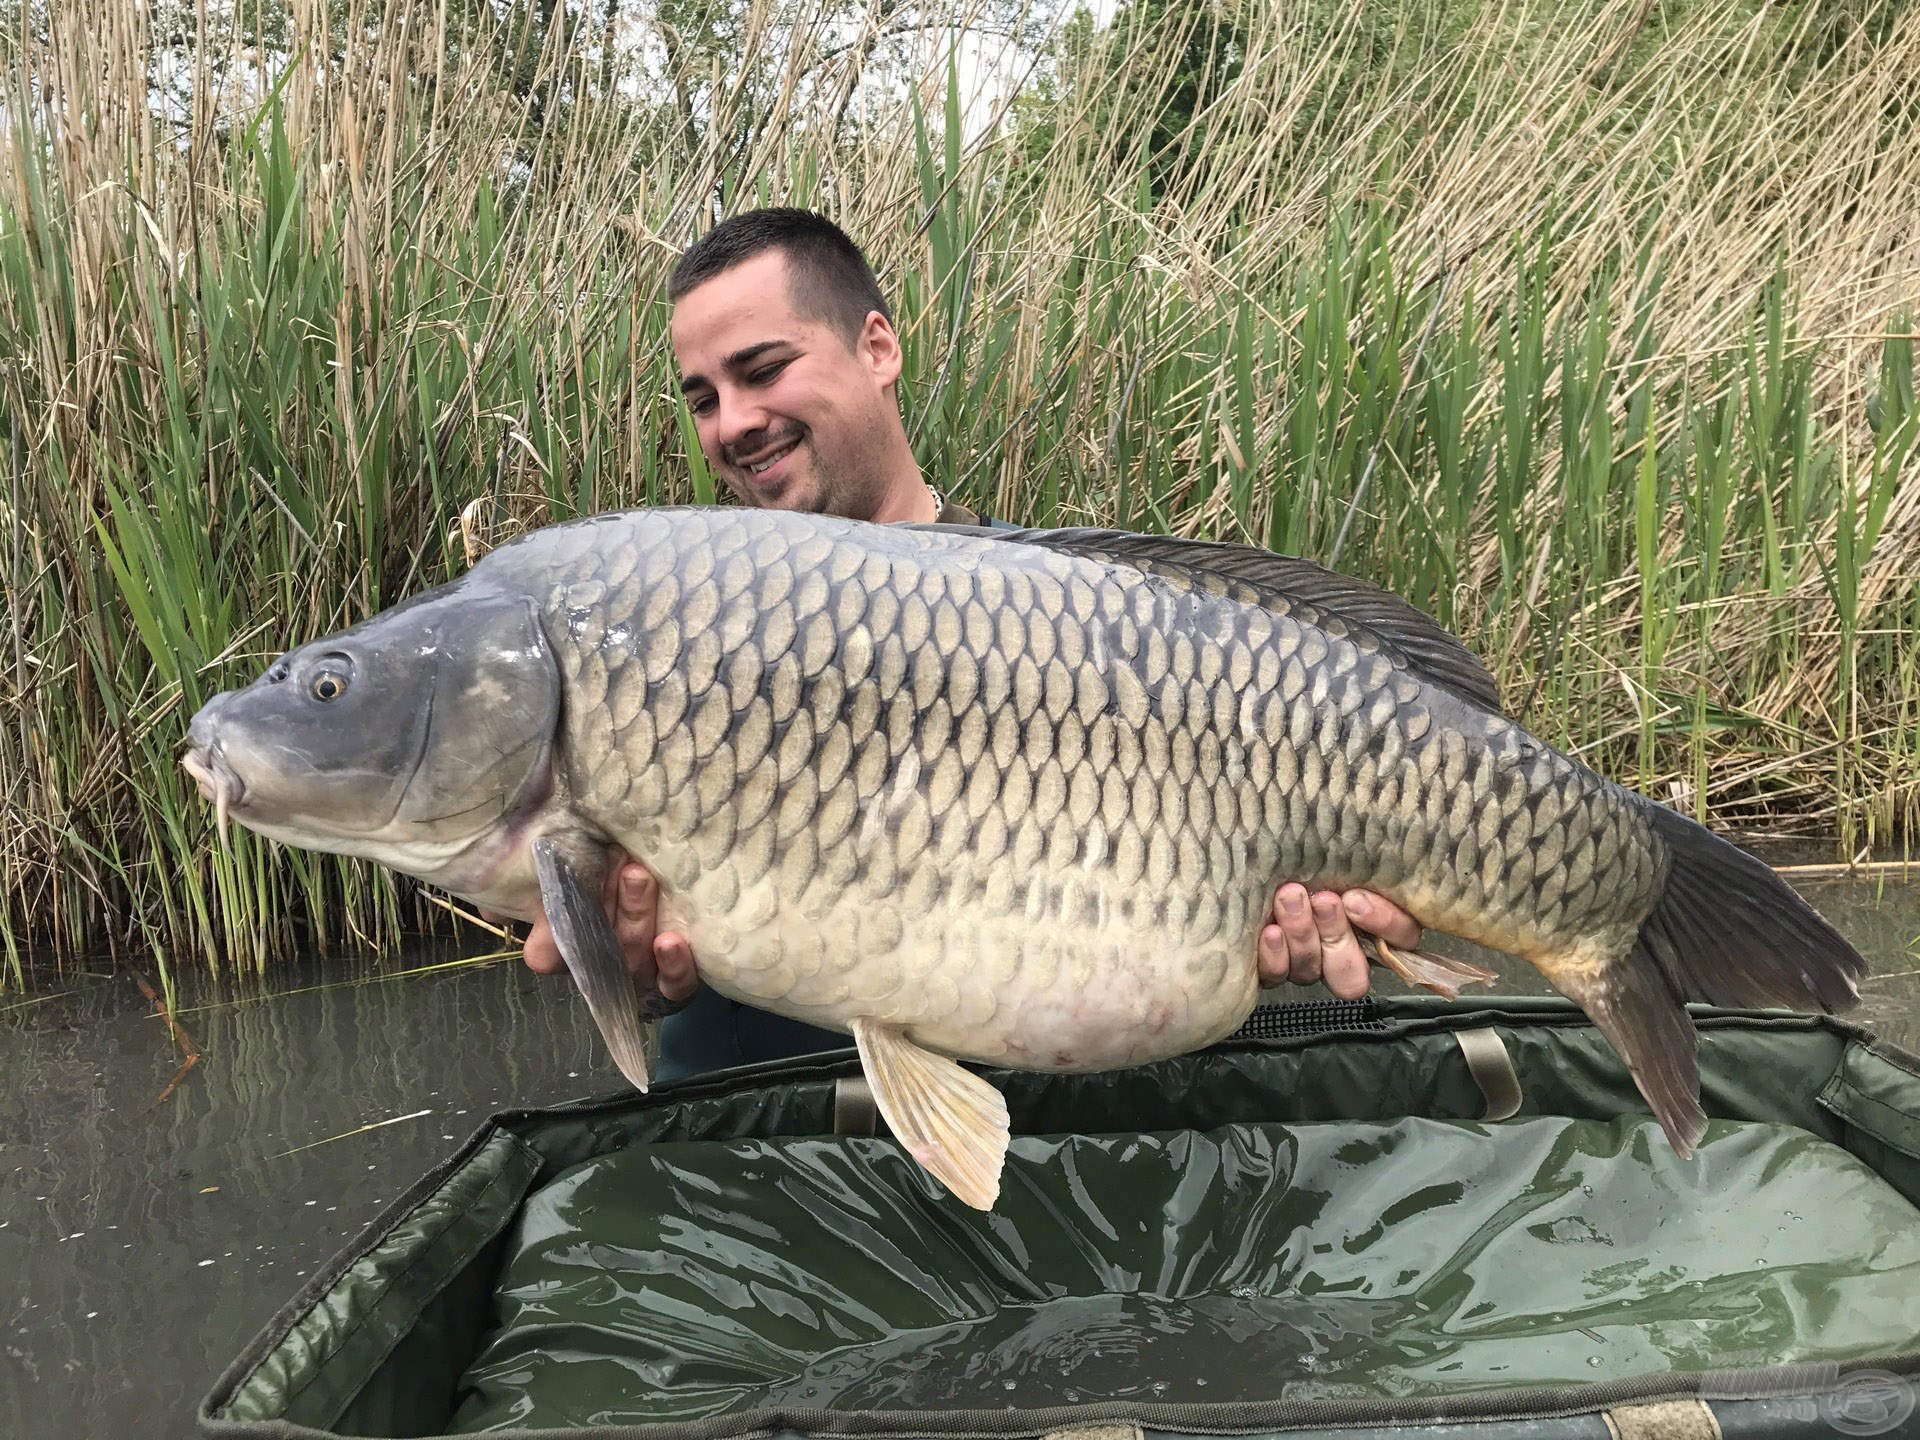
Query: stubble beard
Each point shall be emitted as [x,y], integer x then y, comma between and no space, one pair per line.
[858,488]
[757,497]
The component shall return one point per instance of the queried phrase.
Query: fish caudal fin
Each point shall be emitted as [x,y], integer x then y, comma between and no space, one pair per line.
[1647,1023]
[949,1119]
[1727,931]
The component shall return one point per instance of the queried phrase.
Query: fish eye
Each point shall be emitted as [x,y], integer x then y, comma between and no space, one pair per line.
[328,685]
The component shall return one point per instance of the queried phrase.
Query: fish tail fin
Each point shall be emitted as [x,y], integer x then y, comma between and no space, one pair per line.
[1726,930]
[1729,931]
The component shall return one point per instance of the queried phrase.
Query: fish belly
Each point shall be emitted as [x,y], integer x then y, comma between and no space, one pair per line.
[996,988]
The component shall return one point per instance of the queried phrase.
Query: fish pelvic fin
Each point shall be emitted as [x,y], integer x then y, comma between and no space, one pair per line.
[1729,931]
[949,1119]
[592,952]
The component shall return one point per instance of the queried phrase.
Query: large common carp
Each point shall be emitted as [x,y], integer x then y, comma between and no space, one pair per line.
[1012,797]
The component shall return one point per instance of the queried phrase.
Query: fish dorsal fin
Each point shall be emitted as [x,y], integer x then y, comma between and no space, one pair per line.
[1286,584]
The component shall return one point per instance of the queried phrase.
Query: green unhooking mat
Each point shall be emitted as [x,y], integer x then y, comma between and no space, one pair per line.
[1302,1229]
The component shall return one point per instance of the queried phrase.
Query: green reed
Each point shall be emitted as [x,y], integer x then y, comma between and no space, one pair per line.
[1464,325]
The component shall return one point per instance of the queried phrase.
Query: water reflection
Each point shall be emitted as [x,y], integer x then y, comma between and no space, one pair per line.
[140,1245]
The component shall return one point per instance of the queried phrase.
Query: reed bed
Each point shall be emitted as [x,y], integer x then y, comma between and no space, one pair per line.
[1589,327]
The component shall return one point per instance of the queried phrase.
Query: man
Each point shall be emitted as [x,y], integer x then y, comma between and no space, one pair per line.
[789,363]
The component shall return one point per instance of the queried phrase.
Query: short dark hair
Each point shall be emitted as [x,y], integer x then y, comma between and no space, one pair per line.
[831,278]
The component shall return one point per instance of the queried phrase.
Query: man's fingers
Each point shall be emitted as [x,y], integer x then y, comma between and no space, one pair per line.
[1295,918]
[1378,915]
[1343,966]
[632,897]
[1272,953]
[638,892]
[541,954]
[673,961]
[636,915]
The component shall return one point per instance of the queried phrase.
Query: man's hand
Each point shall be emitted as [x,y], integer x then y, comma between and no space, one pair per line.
[632,898]
[1310,938]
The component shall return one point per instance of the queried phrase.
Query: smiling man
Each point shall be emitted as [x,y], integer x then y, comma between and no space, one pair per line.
[790,365]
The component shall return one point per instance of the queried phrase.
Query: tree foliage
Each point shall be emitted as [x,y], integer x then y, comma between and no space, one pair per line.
[1202,45]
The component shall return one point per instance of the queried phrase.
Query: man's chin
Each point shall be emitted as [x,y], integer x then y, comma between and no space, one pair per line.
[792,491]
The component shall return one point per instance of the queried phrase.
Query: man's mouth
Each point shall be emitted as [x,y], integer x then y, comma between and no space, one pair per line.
[759,466]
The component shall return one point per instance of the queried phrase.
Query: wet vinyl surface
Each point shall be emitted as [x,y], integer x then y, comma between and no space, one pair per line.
[142,1243]
[1412,1259]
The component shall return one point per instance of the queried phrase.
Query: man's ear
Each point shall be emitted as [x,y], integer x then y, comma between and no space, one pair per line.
[879,348]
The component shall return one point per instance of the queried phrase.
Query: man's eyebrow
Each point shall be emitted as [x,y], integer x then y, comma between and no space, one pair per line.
[738,360]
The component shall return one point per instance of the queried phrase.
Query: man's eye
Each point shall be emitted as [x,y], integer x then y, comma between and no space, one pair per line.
[768,372]
[701,406]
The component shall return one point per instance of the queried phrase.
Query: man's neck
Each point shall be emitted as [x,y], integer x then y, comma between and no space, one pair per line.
[908,498]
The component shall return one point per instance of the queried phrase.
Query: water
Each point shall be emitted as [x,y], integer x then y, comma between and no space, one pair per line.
[142,1243]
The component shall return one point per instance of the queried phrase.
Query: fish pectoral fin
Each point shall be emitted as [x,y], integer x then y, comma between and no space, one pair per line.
[949,1119]
[592,952]
[1439,973]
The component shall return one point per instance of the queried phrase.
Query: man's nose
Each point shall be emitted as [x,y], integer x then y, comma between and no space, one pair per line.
[738,418]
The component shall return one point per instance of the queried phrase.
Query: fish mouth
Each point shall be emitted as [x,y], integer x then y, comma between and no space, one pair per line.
[217,781]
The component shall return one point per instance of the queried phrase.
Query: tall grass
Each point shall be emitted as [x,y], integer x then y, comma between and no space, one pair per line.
[1589,328]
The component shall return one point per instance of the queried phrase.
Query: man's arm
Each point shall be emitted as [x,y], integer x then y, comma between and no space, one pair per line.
[1308,937]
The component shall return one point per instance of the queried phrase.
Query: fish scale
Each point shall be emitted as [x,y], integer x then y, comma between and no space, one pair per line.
[1021,798]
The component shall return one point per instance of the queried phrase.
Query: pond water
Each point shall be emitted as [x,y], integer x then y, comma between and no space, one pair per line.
[143,1240]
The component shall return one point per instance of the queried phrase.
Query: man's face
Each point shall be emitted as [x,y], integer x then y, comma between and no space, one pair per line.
[789,413]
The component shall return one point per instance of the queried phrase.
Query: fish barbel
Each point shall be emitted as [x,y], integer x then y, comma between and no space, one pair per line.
[1014,797]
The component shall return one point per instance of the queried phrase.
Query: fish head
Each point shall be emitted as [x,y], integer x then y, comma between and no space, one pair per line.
[414,738]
